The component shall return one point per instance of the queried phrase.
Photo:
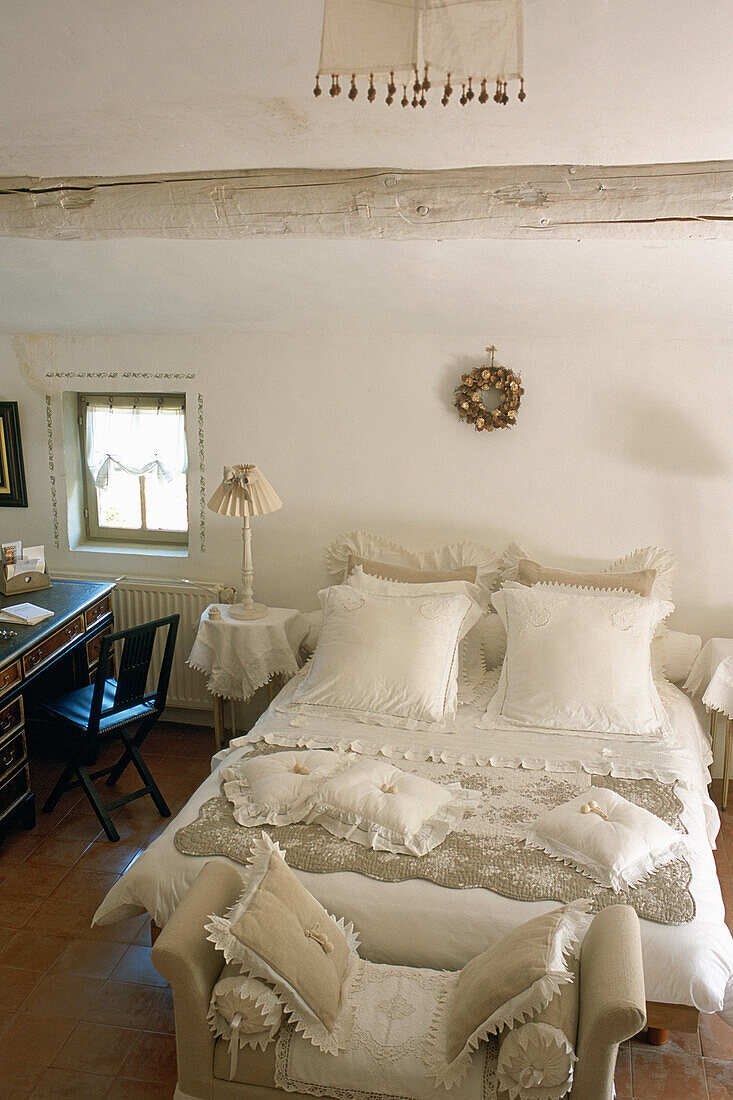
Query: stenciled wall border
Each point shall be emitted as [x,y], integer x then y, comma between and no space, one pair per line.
[202,475]
[52,471]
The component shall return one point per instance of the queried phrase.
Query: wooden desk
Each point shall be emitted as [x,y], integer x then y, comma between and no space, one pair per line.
[82,615]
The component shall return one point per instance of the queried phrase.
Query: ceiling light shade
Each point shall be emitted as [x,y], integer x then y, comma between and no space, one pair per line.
[413,44]
[244,491]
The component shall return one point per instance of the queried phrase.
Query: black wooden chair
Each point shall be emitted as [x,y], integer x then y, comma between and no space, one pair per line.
[105,711]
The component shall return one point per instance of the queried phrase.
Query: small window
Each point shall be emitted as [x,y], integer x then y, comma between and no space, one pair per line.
[134,460]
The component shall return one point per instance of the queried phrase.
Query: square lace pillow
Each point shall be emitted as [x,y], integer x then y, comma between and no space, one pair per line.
[278,932]
[277,789]
[606,837]
[389,810]
[390,660]
[578,661]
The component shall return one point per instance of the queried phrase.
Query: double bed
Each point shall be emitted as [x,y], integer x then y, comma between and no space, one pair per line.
[688,957]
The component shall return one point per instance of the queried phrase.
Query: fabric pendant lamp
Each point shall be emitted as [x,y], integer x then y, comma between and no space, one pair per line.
[245,492]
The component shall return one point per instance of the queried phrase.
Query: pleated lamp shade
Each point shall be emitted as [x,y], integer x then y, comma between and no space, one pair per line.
[244,491]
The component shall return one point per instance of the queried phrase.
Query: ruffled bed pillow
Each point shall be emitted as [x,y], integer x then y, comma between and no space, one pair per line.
[244,1012]
[606,837]
[278,932]
[388,660]
[390,810]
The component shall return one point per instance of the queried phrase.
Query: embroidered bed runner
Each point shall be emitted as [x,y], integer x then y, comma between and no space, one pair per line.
[487,850]
[390,1047]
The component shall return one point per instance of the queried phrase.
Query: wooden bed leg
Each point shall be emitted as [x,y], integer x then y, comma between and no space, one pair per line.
[657,1036]
[155,931]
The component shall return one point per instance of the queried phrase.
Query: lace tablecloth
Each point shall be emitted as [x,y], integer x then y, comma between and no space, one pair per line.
[240,656]
[712,673]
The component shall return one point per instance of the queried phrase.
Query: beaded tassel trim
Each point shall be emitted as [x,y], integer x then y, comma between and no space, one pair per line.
[421,87]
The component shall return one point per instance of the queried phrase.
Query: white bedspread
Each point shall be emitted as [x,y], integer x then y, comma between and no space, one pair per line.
[420,924]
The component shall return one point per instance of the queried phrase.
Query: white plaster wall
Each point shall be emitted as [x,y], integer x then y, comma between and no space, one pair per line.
[623,440]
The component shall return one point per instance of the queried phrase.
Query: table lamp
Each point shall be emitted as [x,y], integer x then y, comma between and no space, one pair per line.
[245,492]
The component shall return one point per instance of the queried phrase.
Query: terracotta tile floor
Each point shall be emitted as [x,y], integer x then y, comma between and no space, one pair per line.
[106,1015]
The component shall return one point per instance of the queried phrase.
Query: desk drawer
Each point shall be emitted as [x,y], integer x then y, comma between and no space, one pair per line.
[11,717]
[10,676]
[13,789]
[12,754]
[38,656]
[98,611]
[94,647]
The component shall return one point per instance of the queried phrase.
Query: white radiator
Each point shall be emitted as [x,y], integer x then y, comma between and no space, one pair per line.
[138,600]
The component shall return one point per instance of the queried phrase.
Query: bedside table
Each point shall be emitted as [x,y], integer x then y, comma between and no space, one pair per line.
[239,656]
[712,673]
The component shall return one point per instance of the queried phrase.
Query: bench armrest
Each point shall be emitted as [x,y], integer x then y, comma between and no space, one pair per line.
[192,965]
[612,999]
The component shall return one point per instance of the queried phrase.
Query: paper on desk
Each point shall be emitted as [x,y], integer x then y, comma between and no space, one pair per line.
[27,614]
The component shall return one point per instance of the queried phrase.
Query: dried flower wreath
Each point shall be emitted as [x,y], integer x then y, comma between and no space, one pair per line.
[470,405]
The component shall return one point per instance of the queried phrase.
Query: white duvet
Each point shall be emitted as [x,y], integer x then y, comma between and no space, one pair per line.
[420,924]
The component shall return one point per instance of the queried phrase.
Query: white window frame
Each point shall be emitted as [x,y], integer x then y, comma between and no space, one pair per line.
[94,531]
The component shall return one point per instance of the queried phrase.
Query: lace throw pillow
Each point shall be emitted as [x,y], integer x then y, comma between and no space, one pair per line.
[278,932]
[606,837]
[513,980]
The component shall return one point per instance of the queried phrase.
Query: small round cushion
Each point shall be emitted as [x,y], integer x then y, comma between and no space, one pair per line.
[536,1063]
[245,1011]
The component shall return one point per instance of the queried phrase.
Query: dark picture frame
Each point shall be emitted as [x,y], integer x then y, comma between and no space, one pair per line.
[12,472]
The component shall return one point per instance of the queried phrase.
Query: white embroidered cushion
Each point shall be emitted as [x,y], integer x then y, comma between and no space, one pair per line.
[278,932]
[471,666]
[277,789]
[391,660]
[385,808]
[536,1062]
[243,1011]
[514,979]
[578,661]
[617,847]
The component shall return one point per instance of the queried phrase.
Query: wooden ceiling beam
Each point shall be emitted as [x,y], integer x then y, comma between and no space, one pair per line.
[657,201]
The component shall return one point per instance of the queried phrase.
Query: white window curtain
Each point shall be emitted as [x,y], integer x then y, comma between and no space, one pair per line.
[140,439]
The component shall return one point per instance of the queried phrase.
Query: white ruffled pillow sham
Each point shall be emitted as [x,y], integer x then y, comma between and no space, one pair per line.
[578,661]
[278,789]
[390,810]
[459,555]
[370,802]
[387,660]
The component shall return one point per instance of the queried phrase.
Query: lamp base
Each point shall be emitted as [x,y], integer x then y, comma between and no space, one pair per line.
[254,611]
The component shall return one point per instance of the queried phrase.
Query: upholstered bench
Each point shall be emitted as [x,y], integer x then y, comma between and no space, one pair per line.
[611,999]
